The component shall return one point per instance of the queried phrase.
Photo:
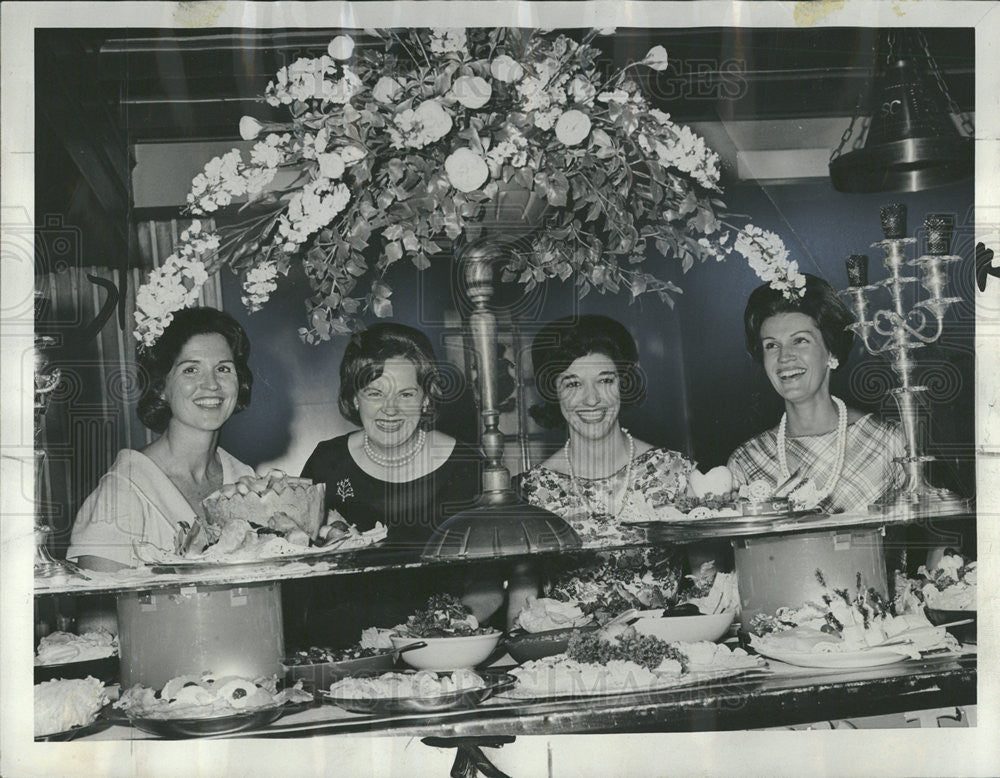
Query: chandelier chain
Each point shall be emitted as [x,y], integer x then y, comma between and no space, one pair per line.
[953,106]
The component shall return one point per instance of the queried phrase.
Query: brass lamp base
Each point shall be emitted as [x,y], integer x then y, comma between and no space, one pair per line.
[500,529]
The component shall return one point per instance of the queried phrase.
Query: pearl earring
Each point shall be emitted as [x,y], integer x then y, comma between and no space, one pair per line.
[833,363]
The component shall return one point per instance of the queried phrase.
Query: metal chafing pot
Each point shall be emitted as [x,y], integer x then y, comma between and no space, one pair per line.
[780,570]
[228,630]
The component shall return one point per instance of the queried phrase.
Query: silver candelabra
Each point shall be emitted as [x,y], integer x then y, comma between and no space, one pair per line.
[898,332]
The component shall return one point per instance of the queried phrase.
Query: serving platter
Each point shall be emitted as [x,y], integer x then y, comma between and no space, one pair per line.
[216,725]
[182,565]
[836,660]
[496,682]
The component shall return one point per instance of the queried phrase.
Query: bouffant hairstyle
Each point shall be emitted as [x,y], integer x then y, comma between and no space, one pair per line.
[818,301]
[561,342]
[364,361]
[156,362]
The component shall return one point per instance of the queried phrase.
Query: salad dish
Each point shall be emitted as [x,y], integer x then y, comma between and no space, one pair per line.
[594,665]
[862,627]
[64,709]
[317,668]
[454,638]
[416,691]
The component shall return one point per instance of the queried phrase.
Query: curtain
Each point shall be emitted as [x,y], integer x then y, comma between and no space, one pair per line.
[91,415]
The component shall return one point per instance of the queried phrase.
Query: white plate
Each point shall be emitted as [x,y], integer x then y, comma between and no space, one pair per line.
[836,660]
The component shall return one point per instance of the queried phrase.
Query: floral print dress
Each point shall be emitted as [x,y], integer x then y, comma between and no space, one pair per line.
[591,506]
[594,506]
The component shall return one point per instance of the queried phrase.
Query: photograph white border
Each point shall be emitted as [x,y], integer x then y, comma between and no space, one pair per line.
[886,752]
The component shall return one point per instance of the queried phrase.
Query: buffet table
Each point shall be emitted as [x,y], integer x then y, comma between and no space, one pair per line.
[782,696]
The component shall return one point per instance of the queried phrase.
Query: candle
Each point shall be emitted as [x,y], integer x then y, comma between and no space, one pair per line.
[893,217]
[857,269]
[939,227]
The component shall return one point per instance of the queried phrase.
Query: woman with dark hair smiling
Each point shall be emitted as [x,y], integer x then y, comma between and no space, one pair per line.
[586,369]
[396,469]
[845,456]
[194,378]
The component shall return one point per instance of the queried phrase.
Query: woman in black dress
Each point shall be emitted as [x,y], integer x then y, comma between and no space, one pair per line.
[396,469]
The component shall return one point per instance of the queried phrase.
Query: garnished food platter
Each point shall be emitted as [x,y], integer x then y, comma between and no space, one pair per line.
[494,682]
[226,724]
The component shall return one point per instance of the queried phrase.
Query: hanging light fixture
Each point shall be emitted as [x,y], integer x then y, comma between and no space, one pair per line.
[912,142]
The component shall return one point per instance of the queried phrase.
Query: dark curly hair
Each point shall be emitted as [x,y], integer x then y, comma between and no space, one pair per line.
[156,361]
[365,357]
[561,342]
[818,301]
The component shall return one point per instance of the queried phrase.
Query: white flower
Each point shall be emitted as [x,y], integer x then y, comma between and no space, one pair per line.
[250,128]
[331,165]
[544,120]
[606,31]
[766,254]
[572,127]
[311,209]
[258,285]
[270,152]
[447,41]
[616,96]
[581,90]
[660,116]
[342,91]
[656,58]
[417,127]
[466,170]
[314,145]
[341,47]
[386,90]
[352,153]
[472,91]
[506,69]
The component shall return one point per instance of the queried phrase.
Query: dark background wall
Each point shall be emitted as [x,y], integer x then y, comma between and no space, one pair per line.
[705,394]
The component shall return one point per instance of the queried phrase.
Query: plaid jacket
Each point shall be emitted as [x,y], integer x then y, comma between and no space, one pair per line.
[869,470]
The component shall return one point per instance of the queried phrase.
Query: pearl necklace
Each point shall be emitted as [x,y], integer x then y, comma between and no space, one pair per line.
[628,477]
[838,458]
[409,456]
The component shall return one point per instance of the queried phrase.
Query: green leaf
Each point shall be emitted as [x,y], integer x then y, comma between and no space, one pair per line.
[420,261]
[393,251]
[381,307]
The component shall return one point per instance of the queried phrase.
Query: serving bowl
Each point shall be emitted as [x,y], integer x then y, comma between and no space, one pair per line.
[527,646]
[686,629]
[965,633]
[451,653]
[317,676]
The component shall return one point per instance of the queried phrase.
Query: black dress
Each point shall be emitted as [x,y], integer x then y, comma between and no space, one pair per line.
[332,611]
[411,510]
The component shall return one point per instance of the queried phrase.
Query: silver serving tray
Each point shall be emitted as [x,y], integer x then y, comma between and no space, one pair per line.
[217,725]
[315,554]
[496,682]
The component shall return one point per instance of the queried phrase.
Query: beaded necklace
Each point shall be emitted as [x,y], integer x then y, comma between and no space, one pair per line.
[387,462]
[838,457]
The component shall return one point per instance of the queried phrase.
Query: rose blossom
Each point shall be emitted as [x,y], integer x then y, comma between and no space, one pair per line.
[386,89]
[466,170]
[341,47]
[581,90]
[656,58]
[250,128]
[572,127]
[435,121]
[472,91]
[506,69]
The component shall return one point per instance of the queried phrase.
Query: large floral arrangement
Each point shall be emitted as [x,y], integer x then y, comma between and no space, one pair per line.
[397,147]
